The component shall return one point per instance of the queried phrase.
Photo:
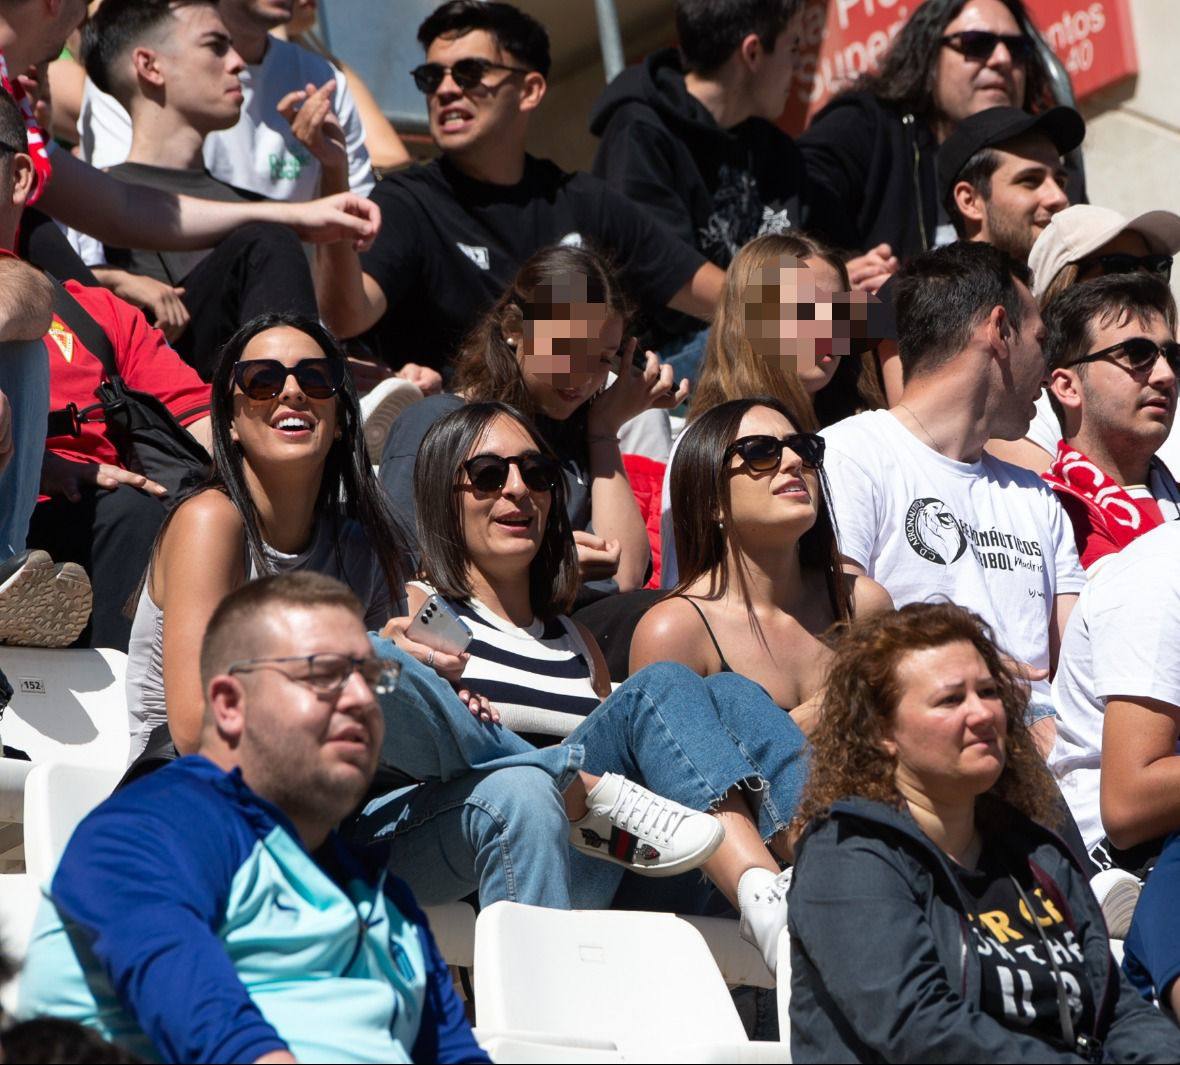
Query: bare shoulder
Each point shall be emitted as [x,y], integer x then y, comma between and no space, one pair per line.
[205,535]
[671,631]
[207,513]
[868,597]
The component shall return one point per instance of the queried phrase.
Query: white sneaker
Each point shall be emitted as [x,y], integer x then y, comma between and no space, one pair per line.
[629,825]
[380,407]
[1118,893]
[762,900]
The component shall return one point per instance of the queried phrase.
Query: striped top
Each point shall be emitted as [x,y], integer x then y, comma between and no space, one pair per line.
[527,671]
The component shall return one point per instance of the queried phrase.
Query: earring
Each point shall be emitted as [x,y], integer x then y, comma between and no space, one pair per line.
[338,434]
[512,342]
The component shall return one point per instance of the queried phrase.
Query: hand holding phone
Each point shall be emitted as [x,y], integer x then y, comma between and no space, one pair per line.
[438,626]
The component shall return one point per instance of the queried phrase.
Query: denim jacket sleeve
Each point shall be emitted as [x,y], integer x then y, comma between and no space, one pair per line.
[862,938]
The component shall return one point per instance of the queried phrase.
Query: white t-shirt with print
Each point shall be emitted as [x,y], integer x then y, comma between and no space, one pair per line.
[1123,639]
[260,154]
[986,535]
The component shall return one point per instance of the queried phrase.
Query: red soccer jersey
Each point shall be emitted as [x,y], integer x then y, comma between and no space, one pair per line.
[144,360]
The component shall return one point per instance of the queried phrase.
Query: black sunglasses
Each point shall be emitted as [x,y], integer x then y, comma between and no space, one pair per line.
[1123,263]
[980,44]
[489,473]
[1139,354]
[467,73]
[765,453]
[265,378]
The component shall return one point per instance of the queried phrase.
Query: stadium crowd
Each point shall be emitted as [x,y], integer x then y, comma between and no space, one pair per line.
[776,528]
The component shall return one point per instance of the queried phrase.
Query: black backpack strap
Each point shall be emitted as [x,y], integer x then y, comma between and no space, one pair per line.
[85,328]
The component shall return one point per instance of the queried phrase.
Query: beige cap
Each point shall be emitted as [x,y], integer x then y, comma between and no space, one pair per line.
[1080,230]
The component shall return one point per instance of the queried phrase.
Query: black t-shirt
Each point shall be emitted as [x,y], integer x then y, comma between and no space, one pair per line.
[1019,988]
[170,267]
[449,246]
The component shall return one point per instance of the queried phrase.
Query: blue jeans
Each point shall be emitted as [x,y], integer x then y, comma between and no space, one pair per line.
[490,817]
[24,379]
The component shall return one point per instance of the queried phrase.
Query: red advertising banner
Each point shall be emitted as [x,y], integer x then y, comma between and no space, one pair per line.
[844,38]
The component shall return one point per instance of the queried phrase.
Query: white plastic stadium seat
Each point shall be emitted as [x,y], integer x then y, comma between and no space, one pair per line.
[68,706]
[641,984]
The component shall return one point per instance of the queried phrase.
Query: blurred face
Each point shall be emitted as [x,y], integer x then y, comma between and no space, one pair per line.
[1027,190]
[301,745]
[53,32]
[462,119]
[503,528]
[201,68]
[1131,411]
[776,70]
[566,347]
[291,427]
[303,17]
[949,731]
[1025,371]
[780,500]
[963,85]
[797,318]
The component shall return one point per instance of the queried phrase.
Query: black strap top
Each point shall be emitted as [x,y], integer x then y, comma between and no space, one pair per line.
[725,666]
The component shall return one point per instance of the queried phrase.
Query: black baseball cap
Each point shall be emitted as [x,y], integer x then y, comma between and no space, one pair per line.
[993,127]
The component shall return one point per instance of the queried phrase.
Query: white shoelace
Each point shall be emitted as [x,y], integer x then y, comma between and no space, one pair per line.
[645,814]
[776,890]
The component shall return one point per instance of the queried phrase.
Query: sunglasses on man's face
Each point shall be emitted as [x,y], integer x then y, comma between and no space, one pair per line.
[489,473]
[979,45]
[266,378]
[466,73]
[764,453]
[1122,263]
[1137,354]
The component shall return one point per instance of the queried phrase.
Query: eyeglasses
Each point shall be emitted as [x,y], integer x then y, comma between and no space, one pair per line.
[466,73]
[980,44]
[266,378]
[1139,355]
[489,473]
[765,453]
[328,672]
[1123,263]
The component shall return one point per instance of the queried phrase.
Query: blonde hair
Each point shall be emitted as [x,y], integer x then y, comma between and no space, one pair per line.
[732,369]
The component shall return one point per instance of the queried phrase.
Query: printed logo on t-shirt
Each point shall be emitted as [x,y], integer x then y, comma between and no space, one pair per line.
[64,340]
[477,255]
[571,240]
[936,535]
[933,531]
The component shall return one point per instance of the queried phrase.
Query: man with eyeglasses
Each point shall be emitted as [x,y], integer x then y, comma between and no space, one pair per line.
[456,231]
[209,912]
[875,145]
[1113,366]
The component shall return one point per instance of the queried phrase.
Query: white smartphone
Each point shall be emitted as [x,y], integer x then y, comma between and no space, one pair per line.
[438,626]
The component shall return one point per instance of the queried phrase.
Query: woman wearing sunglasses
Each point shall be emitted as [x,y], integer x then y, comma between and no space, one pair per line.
[546,347]
[760,577]
[1081,243]
[496,544]
[875,146]
[291,489]
[787,326]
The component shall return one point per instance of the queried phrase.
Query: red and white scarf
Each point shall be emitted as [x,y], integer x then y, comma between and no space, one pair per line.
[38,147]
[1119,513]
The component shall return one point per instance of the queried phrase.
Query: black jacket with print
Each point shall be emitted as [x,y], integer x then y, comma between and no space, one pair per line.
[883,968]
[716,188]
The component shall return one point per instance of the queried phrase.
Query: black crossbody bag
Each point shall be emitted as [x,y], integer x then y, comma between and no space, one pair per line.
[148,439]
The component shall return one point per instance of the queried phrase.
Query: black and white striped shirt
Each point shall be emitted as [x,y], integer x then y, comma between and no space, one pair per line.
[526,672]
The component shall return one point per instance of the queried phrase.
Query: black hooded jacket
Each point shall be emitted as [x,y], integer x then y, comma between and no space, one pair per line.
[882,965]
[716,188]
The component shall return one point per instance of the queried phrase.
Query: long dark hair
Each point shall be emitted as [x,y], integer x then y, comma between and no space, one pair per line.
[438,470]
[906,76]
[700,494]
[488,367]
[347,488]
